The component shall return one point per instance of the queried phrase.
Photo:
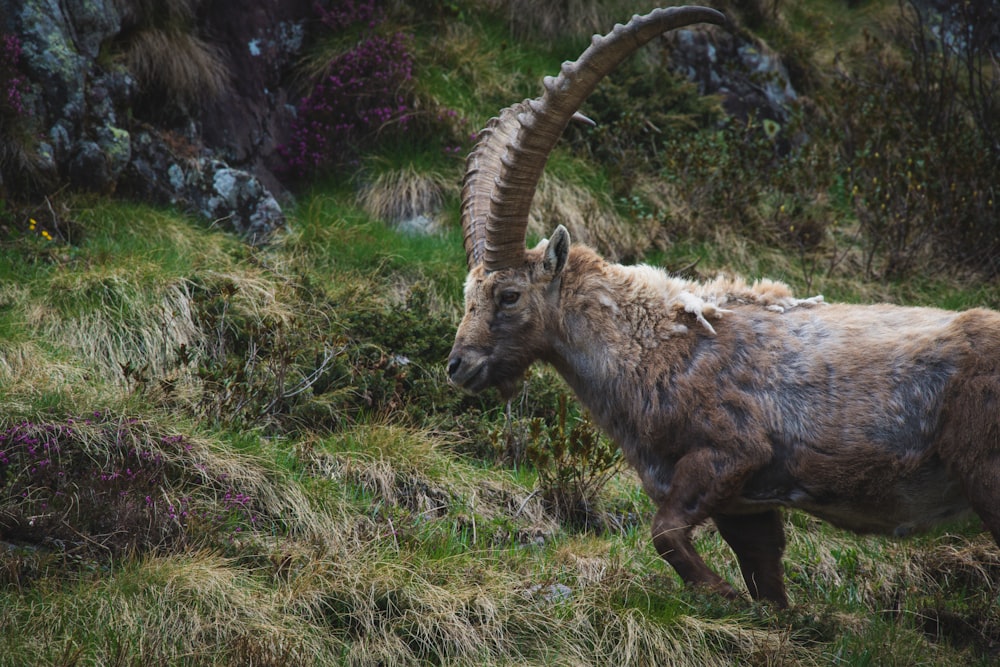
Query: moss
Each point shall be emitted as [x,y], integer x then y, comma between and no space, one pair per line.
[118,148]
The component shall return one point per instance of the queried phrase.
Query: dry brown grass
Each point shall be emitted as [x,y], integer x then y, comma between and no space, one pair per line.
[187,609]
[29,371]
[530,19]
[157,12]
[401,195]
[590,218]
[129,330]
[177,67]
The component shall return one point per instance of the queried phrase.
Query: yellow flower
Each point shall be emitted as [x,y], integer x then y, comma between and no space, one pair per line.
[31,224]
[46,235]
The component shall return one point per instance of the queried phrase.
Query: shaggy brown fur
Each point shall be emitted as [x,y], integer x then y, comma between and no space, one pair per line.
[733,400]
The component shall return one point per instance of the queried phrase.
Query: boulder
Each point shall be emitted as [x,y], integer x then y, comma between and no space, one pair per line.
[744,71]
[101,127]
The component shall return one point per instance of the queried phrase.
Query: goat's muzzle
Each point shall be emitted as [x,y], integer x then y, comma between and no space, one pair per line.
[467,371]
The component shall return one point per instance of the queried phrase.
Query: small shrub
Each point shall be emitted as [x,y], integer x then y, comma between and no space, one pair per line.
[712,172]
[271,351]
[398,355]
[639,110]
[296,368]
[574,461]
[742,176]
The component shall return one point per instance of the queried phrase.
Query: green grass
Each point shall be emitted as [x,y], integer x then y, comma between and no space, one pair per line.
[396,520]
[386,543]
[330,237]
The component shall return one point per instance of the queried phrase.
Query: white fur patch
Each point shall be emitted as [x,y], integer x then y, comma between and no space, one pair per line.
[700,308]
[785,304]
[707,300]
[608,302]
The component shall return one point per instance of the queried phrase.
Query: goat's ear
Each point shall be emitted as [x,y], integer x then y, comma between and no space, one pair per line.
[557,251]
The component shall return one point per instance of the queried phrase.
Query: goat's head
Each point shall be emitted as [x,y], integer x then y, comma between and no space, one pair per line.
[506,319]
[511,293]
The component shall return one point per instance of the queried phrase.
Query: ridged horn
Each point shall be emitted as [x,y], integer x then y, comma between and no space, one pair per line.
[504,168]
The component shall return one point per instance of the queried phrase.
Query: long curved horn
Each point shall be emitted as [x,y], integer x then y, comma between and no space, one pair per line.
[503,169]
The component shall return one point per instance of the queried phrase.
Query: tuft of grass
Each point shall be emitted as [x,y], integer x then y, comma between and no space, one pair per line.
[123,329]
[176,67]
[404,195]
[100,486]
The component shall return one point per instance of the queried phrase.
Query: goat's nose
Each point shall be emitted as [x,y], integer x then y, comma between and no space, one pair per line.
[453,365]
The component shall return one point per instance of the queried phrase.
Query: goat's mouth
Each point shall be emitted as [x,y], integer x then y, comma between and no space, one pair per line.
[476,377]
[469,375]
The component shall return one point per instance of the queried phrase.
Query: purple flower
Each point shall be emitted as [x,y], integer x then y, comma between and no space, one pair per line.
[359,97]
[11,83]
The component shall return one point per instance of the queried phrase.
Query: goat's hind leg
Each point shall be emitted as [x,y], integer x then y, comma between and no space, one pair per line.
[758,540]
[982,488]
[969,442]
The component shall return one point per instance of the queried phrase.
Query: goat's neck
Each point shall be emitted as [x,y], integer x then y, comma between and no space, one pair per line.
[613,322]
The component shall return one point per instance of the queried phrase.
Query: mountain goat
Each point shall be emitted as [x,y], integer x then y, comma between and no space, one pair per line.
[730,400]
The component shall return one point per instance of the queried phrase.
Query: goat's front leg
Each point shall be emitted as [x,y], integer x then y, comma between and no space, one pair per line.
[695,490]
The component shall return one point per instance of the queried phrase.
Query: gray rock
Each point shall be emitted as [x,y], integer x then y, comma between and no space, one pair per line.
[233,199]
[88,168]
[418,225]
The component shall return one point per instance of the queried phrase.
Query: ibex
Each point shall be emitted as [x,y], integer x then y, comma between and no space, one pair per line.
[730,400]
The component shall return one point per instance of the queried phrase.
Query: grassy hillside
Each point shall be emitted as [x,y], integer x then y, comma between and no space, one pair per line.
[216,454]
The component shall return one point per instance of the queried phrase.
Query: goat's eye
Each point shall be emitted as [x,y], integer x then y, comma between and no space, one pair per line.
[509,297]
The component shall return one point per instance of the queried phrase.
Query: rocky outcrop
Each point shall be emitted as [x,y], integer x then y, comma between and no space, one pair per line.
[177,103]
[749,76]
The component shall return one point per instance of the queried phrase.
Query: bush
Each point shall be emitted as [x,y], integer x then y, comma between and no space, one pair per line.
[574,462]
[11,80]
[638,110]
[758,177]
[360,94]
[919,129]
[271,352]
[319,363]
[397,356]
[100,487]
